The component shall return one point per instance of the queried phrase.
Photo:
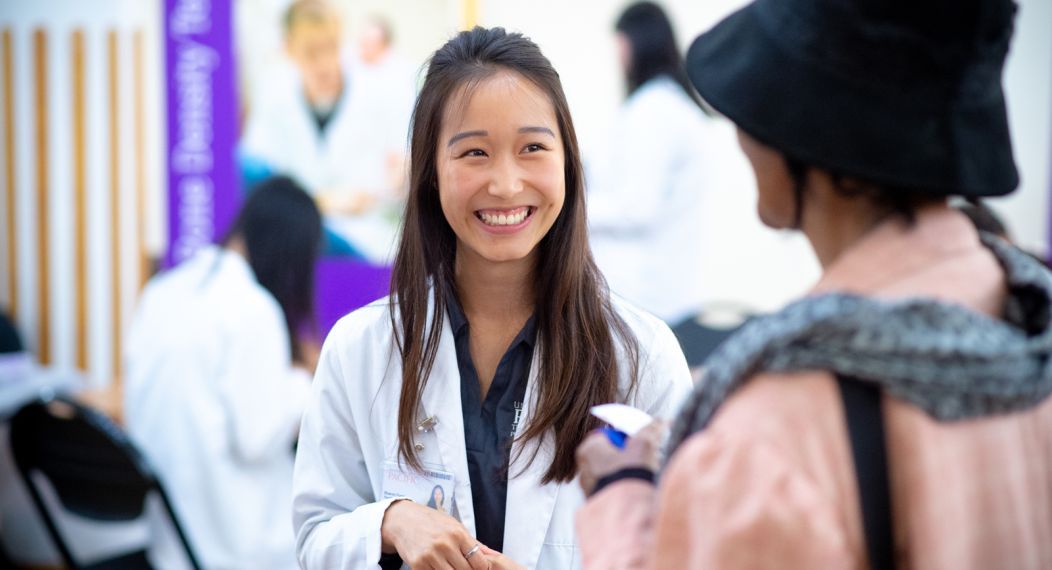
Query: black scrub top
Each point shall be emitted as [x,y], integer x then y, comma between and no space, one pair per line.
[489,426]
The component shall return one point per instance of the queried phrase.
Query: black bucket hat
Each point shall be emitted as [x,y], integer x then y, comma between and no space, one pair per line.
[903,94]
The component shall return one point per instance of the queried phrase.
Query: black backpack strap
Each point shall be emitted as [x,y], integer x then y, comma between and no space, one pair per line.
[865,425]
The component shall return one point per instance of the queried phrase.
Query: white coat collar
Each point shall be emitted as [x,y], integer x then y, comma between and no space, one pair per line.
[210,260]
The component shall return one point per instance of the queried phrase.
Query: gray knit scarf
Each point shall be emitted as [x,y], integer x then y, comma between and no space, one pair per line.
[951,362]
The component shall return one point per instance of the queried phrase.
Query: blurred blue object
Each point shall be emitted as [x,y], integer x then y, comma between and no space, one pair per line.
[253,170]
[336,245]
[616,437]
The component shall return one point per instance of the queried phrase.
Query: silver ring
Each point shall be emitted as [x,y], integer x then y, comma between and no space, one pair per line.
[473,550]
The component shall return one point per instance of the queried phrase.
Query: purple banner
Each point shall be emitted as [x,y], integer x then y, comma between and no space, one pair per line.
[203,183]
[203,186]
[344,285]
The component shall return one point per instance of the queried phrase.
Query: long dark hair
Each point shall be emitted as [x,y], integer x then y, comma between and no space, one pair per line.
[653,48]
[576,323]
[281,228]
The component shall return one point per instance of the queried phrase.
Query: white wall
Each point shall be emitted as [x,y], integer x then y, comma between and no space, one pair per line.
[1028,87]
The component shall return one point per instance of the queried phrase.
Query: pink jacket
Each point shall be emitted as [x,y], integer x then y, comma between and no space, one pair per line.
[771,483]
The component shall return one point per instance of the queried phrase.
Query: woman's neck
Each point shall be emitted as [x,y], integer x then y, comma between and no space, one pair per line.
[833,222]
[237,245]
[495,290]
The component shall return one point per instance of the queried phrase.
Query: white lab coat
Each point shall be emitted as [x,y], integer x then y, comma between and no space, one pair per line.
[212,400]
[371,121]
[350,429]
[646,201]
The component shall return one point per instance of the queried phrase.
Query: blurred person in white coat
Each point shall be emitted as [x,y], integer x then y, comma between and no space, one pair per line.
[218,375]
[645,200]
[338,126]
[378,67]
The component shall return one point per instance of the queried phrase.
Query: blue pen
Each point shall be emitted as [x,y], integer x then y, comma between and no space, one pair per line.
[616,437]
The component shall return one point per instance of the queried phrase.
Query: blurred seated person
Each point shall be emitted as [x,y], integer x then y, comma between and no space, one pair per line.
[217,375]
[332,131]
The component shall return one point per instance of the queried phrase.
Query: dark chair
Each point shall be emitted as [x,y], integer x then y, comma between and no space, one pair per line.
[94,470]
[5,560]
[700,336]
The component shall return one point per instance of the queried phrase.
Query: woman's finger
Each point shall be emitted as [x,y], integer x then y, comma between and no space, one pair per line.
[594,444]
[478,560]
[469,551]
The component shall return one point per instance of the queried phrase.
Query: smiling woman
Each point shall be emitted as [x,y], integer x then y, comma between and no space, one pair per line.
[501,181]
[499,335]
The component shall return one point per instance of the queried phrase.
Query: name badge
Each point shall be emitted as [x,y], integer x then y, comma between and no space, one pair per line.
[431,487]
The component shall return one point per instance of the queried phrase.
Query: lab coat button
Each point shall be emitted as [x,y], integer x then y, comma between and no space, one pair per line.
[419,447]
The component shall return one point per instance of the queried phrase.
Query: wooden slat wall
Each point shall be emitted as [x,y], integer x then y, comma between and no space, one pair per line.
[139,80]
[10,190]
[80,199]
[80,161]
[42,189]
[113,71]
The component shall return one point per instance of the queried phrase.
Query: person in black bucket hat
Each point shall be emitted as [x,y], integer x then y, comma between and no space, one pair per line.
[898,415]
[904,94]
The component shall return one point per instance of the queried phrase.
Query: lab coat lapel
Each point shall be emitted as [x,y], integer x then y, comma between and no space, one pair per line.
[441,401]
[529,504]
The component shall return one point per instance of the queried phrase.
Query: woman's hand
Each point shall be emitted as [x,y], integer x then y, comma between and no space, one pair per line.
[426,538]
[500,562]
[597,457]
